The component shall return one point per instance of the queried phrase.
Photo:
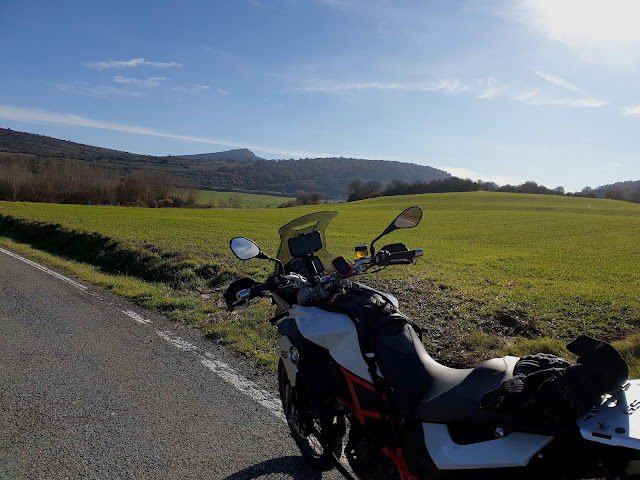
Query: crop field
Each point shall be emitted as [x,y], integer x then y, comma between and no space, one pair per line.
[500,271]
[238,200]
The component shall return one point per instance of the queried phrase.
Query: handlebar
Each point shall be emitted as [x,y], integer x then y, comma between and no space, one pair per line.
[405,257]
[382,259]
[245,295]
[273,282]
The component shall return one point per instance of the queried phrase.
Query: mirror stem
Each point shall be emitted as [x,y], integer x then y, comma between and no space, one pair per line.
[262,256]
[373,250]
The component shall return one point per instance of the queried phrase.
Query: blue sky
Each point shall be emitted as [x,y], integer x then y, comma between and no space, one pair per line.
[507,91]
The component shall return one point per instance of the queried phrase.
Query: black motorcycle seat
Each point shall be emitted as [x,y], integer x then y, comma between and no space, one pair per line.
[428,391]
[462,402]
[409,371]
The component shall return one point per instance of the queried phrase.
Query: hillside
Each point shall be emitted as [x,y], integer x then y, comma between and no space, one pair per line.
[236,170]
[629,191]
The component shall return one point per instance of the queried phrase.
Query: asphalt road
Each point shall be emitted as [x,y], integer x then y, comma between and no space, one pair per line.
[93,387]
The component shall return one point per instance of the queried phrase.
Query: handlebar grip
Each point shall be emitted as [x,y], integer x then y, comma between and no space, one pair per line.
[258,289]
[405,257]
[253,292]
[243,296]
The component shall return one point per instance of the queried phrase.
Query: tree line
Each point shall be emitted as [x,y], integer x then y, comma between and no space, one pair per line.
[359,189]
[628,191]
[73,181]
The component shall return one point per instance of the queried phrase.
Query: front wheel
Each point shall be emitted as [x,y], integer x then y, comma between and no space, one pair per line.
[305,429]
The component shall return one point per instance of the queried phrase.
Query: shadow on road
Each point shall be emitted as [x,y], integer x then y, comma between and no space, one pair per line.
[289,468]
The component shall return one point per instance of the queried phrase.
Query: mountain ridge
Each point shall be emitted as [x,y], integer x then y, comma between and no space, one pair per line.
[234,170]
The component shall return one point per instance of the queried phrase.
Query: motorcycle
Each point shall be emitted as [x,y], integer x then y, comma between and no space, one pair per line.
[355,379]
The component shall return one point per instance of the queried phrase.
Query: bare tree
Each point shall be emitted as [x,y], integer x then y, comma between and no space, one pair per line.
[16,178]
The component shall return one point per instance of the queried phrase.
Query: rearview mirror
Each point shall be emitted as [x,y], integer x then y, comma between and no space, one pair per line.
[409,218]
[243,248]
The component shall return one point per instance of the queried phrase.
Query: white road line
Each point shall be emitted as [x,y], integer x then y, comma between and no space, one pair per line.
[249,388]
[137,317]
[228,374]
[224,371]
[45,269]
[177,342]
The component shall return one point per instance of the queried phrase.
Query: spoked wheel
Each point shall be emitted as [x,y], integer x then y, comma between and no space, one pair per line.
[310,433]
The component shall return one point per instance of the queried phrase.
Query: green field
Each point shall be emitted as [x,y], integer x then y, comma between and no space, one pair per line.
[500,272]
[238,200]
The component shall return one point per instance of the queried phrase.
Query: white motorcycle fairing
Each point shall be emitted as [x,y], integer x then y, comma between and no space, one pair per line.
[335,332]
[513,450]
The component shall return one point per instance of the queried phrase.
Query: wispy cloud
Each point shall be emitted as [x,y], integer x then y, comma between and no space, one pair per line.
[489,93]
[556,80]
[482,88]
[346,87]
[192,89]
[537,97]
[150,82]
[631,111]
[133,63]
[488,88]
[81,88]
[29,115]
[127,86]
[451,87]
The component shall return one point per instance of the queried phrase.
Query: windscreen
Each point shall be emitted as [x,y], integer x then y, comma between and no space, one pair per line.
[314,222]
